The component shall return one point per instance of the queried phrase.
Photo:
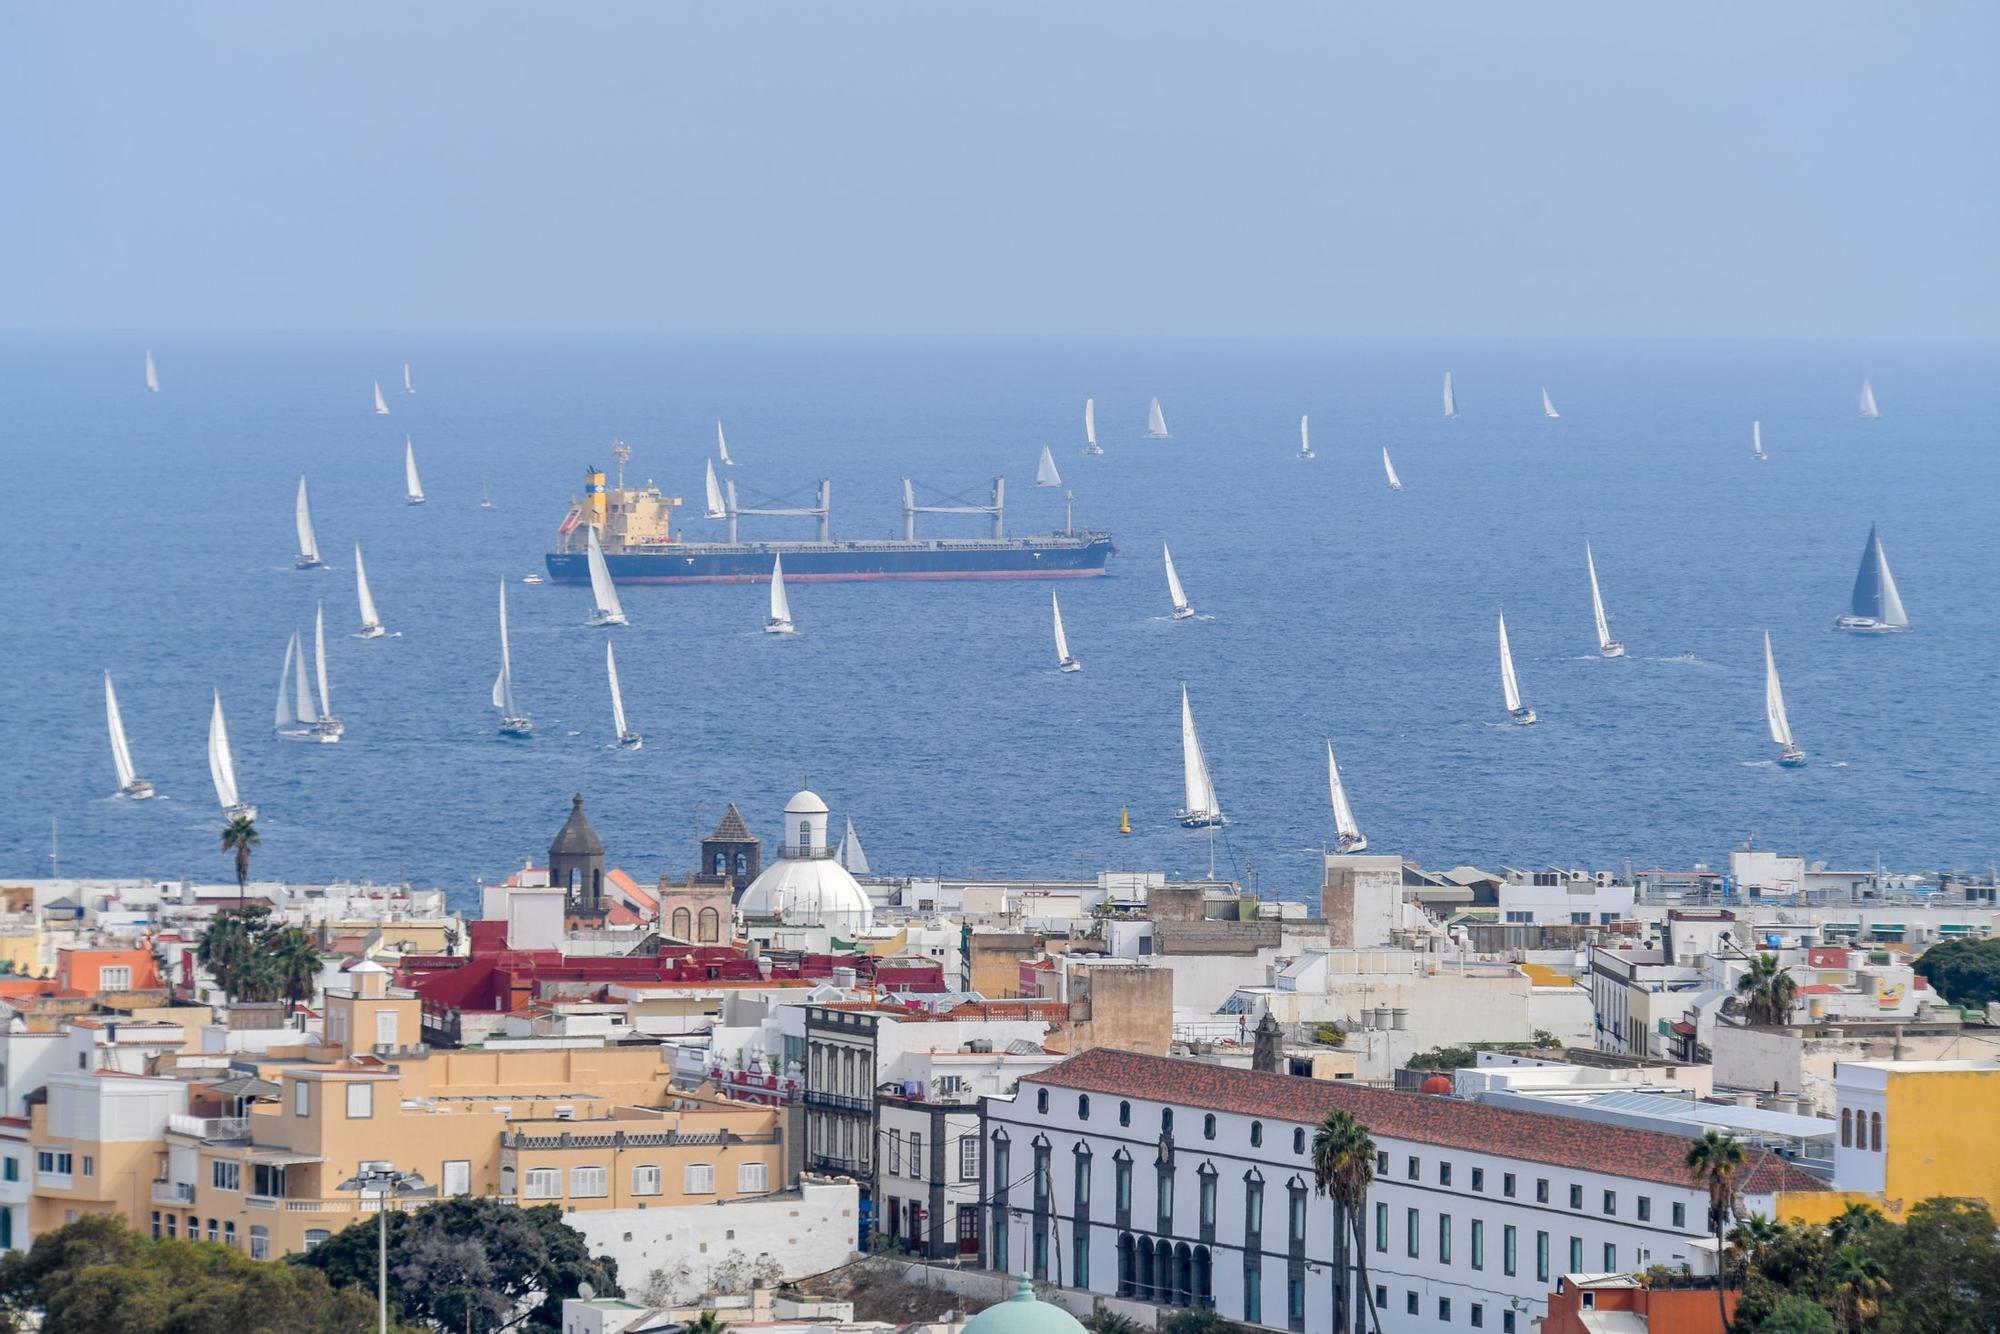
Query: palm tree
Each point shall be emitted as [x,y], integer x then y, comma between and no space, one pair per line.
[1854,1222]
[1769,991]
[1857,1281]
[1111,1322]
[1343,1158]
[708,1322]
[298,961]
[1715,1161]
[224,948]
[240,836]
[260,978]
[1751,1238]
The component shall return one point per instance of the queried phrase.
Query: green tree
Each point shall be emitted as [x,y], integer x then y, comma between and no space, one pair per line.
[708,1322]
[225,947]
[1751,1239]
[240,836]
[1857,1281]
[1769,991]
[1714,1162]
[1798,1314]
[1110,1322]
[1943,1269]
[299,963]
[1343,1158]
[1964,972]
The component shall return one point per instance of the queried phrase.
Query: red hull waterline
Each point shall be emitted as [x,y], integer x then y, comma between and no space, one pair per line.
[790,578]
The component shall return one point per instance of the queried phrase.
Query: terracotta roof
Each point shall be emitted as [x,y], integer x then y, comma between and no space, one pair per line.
[642,900]
[732,829]
[1644,1155]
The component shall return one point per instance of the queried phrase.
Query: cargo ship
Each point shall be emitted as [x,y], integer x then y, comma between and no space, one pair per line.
[635,528]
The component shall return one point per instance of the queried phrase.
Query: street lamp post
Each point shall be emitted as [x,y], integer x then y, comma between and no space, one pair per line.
[385,1180]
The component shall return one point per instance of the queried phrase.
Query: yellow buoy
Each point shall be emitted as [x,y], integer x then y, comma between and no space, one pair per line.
[1124,819]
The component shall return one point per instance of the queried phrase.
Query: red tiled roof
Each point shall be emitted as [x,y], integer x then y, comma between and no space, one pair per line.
[1559,1141]
[1821,989]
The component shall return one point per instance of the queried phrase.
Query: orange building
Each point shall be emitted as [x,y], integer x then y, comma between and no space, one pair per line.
[1582,1303]
[91,972]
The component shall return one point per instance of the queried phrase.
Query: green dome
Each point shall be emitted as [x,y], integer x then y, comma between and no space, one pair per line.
[1022,1314]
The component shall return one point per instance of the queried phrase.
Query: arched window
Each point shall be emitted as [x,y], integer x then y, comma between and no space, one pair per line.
[1166,1120]
[597,884]
[805,834]
[1875,1131]
[575,879]
[1042,1101]
[743,863]
[1299,1140]
[229,1234]
[721,863]
[711,926]
[1846,1127]
[1124,1113]
[1208,1126]
[1256,1134]
[683,925]
[1127,1270]
[1083,1106]
[315,1236]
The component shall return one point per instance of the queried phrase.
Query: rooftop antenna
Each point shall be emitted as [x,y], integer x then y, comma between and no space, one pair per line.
[621,451]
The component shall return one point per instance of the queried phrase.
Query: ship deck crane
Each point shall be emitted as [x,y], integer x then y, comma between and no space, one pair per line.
[998,509]
[731,510]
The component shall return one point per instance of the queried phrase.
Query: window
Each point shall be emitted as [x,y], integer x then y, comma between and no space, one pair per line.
[1253,1212]
[302,1098]
[1253,1292]
[1507,1184]
[1123,1190]
[360,1101]
[1042,1101]
[1541,1190]
[1256,1134]
[1295,1297]
[315,1236]
[115,979]
[1297,1229]
[1610,1258]
[1208,1199]
[89,1166]
[1124,1113]
[1477,1316]
[1410,1302]
[1381,1162]
[1444,1239]
[229,1235]
[699,1179]
[1506,1322]
[681,924]
[1411,1241]
[1610,1204]
[1645,1208]
[1444,1174]
[1083,1106]
[1164,1191]
[1298,1141]
[1208,1126]
[1166,1120]
[1413,1170]
[916,1156]
[1680,1214]
[541,1183]
[1576,1197]
[260,1243]
[1082,1175]
[1382,1227]
[968,1158]
[214,1230]
[646,1179]
[1541,1257]
[1846,1128]
[1444,1310]
[1479,1178]
[1875,1132]
[1080,1259]
[1478,1244]
[1381,1297]
[49,1162]
[1576,1255]
[458,1177]
[225,1175]
[10,1169]
[1507,1250]
[896,1140]
[752,1178]
[587,1183]
[708,926]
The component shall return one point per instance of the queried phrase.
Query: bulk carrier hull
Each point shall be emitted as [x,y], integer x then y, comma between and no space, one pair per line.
[1054,557]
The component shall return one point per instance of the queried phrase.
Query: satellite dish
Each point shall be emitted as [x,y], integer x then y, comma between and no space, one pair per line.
[585,1290]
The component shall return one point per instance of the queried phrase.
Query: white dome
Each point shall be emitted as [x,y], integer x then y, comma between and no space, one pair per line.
[814,891]
[805,803]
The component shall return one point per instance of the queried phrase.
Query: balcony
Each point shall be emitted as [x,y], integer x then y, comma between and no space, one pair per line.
[210,1128]
[839,1102]
[173,1192]
[835,1166]
[792,852]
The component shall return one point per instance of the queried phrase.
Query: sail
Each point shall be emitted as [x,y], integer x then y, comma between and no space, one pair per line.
[1868,408]
[602,590]
[287,715]
[503,684]
[308,544]
[1090,421]
[1875,595]
[220,767]
[302,707]
[1757,439]
[1343,814]
[1305,441]
[1508,685]
[1774,698]
[1548,408]
[152,373]
[722,448]
[1596,600]
[412,483]
[121,754]
[1450,400]
[715,509]
[1395,482]
[319,662]
[1174,589]
[1200,787]
[781,606]
[381,404]
[1062,640]
[370,618]
[851,855]
[617,696]
[1046,474]
[408,388]
[1156,421]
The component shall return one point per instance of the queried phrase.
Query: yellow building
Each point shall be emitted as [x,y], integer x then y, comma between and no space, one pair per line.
[1909,1130]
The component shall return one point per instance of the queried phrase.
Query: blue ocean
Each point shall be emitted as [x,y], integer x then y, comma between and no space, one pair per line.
[152,535]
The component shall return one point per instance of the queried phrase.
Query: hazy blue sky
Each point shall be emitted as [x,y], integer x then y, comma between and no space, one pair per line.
[1767,169]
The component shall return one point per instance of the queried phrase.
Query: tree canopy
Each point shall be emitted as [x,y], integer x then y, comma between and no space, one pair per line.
[256,959]
[1965,972]
[1936,1273]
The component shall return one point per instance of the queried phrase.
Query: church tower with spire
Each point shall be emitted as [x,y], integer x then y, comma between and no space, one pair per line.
[576,865]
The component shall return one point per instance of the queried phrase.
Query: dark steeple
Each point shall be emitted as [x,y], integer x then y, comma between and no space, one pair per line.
[576,862]
[732,852]
[1264,1056]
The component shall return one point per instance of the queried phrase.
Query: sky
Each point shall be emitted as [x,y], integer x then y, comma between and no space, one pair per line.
[1446,169]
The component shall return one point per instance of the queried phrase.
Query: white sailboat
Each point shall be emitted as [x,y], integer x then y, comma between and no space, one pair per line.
[1868,408]
[308,558]
[1395,482]
[851,857]
[1305,441]
[1090,445]
[1876,606]
[327,727]
[781,606]
[627,738]
[381,404]
[603,592]
[1347,835]
[295,714]
[1548,408]
[1509,687]
[371,620]
[1450,399]
[1774,711]
[485,496]
[1045,473]
[1181,610]
[1064,662]
[222,769]
[714,509]
[413,487]
[1156,421]
[513,722]
[408,386]
[1606,645]
[152,373]
[722,448]
[129,781]
[1757,442]
[1201,809]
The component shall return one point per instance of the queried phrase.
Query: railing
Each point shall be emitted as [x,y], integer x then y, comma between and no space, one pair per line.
[632,1139]
[209,1127]
[793,852]
[173,1192]
[821,1162]
[839,1102]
